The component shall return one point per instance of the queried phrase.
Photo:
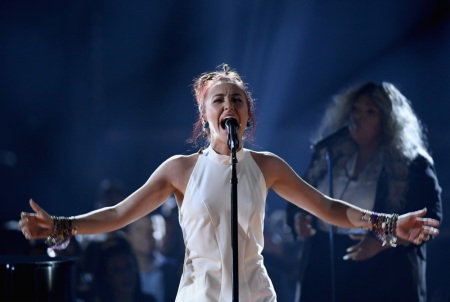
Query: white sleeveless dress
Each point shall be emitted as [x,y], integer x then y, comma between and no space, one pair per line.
[206,223]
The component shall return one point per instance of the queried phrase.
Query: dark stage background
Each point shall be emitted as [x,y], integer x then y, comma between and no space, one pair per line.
[102,89]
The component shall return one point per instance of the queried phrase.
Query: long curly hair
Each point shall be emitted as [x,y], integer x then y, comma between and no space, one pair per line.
[403,135]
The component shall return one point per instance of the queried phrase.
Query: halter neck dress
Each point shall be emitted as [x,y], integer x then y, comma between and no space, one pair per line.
[205,218]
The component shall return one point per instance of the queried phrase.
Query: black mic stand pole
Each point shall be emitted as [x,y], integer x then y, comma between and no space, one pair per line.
[327,143]
[234,226]
[331,229]
[233,145]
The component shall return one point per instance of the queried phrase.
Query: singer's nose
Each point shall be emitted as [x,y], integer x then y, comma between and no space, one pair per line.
[229,108]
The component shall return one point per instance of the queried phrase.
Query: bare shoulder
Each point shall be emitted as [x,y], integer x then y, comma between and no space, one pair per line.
[273,167]
[179,165]
[266,159]
[182,161]
[268,162]
[178,170]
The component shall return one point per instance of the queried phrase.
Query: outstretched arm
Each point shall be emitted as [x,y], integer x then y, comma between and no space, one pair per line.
[279,176]
[152,194]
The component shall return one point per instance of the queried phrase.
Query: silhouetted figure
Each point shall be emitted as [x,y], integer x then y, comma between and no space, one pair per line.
[158,273]
[116,275]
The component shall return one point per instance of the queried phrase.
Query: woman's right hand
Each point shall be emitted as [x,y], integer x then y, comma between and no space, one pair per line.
[302,225]
[37,225]
[413,227]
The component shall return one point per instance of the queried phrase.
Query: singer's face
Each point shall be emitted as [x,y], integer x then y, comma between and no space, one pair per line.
[224,100]
[365,122]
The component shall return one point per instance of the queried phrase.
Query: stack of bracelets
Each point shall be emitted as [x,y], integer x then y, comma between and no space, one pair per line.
[383,226]
[63,229]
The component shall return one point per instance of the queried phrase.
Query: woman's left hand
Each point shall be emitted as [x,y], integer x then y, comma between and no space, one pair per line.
[414,228]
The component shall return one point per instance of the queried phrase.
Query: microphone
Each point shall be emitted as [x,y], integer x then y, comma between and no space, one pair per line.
[331,139]
[232,127]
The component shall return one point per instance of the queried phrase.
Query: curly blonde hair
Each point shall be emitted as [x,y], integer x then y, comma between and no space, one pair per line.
[403,135]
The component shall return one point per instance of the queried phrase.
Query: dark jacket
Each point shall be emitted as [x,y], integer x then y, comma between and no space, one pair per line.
[401,271]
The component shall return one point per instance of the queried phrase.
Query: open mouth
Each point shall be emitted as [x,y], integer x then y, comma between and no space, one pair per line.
[222,123]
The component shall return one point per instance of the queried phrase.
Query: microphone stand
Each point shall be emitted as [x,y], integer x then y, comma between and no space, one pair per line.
[233,145]
[331,228]
[234,226]
[327,143]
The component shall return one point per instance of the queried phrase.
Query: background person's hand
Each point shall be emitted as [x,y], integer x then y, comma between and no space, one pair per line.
[414,228]
[302,225]
[367,247]
[37,225]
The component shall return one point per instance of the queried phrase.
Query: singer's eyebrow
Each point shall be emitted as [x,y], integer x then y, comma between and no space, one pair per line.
[232,95]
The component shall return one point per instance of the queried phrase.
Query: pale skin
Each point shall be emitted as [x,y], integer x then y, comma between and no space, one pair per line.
[221,100]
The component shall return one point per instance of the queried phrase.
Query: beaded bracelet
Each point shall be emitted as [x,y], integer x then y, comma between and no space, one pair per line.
[383,226]
[63,229]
